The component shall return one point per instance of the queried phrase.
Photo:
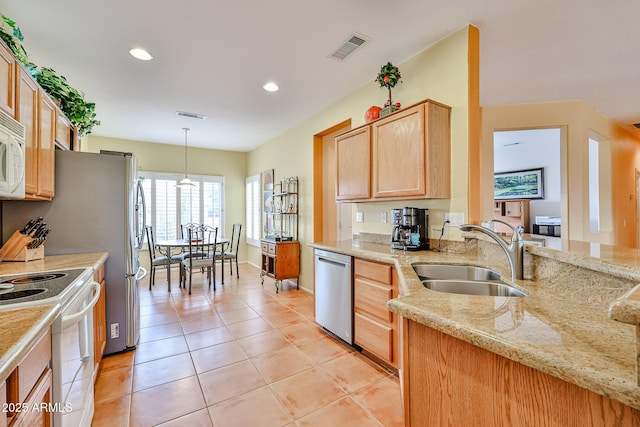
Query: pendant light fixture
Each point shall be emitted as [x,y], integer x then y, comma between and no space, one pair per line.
[186,182]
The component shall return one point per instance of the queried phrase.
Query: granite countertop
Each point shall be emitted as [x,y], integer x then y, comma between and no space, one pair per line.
[22,327]
[54,262]
[547,330]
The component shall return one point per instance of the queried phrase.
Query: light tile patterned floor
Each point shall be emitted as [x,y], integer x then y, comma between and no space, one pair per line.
[240,356]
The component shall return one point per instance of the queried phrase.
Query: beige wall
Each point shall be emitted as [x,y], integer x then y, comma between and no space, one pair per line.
[154,157]
[577,121]
[439,73]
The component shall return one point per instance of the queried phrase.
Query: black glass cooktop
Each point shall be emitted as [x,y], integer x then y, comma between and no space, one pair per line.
[35,288]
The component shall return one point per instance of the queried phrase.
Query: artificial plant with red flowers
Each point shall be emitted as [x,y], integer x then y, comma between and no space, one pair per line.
[388,77]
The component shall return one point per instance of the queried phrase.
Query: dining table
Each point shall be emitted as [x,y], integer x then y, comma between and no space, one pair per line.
[166,246]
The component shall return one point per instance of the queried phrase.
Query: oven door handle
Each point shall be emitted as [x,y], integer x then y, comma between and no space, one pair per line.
[75,318]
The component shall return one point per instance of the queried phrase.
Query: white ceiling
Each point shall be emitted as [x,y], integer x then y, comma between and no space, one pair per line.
[212,57]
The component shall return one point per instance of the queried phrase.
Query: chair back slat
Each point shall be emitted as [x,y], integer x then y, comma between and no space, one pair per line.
[202,242]
[185,227]
[235,238]
[150,241]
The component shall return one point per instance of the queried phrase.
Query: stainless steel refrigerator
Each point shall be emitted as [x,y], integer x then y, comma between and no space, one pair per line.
[98,206]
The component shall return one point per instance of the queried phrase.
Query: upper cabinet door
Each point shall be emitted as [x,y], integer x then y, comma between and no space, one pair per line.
[7,82]
[46,138]
[438,150]
[353,165]
[399,154]
[27,114]
[63,131]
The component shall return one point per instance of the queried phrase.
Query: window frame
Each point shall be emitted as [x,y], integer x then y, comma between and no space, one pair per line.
[251,212]
[166,176]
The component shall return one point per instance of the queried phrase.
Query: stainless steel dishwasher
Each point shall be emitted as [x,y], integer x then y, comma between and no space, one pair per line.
[334,293]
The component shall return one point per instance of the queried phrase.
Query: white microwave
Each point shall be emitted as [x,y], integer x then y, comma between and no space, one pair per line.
[12,158]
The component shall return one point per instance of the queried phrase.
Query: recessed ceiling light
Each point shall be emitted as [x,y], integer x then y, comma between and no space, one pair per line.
[141,54]
[270,87]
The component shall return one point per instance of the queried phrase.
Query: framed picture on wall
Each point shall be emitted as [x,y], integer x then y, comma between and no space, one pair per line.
[267,201]
[525,184]
[267,180]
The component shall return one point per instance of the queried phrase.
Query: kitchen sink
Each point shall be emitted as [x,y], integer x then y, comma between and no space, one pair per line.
[473,287]
[465,279]
[458,272]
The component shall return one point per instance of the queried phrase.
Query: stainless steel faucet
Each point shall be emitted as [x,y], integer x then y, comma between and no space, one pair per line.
[514,250]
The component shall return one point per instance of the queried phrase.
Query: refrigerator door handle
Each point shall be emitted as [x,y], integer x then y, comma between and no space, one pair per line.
[142,205]
[142,273]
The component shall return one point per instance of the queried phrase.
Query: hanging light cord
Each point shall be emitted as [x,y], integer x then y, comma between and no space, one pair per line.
[186,130]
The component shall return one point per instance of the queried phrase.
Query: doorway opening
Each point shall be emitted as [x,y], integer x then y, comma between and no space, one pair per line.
[533,149]
[331,220]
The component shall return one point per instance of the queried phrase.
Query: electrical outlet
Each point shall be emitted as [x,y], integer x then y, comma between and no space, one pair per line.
[359,216]
[115,330]
[383,217]
[455,218]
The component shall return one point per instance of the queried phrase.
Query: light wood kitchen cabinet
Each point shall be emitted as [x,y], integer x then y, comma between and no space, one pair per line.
[7,80]
[448,381]
[399,154]
[409,154]
[3,401]
[280,260]
[375,327]
[353,168]
[39,398]
[514,212]
[45,125]
[63,131]
[100,318]
[46,149]
[27,115]
[29,386]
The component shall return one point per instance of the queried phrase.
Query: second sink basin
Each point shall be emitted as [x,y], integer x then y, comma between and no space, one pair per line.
[464,279]
[459,272]
[473,287]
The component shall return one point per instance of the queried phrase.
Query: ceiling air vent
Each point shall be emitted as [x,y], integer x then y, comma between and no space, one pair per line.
[349,46]
[636,125]
[191,115]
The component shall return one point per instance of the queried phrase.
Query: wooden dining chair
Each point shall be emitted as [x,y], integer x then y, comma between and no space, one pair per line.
[202,247]
[156,260]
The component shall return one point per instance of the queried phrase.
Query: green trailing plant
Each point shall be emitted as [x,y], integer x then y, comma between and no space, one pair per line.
[70,100]
[13,37]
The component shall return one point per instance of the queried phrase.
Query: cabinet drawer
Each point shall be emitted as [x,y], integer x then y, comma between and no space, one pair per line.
[374,337]
[373,270]
[3,400]
[26,375]
[268,248]
[371,298]
[41,395]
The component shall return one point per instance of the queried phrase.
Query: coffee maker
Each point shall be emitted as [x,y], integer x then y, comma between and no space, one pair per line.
[410,231]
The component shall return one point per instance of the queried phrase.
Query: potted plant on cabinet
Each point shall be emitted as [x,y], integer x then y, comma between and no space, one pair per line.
[389,76]
[70,100]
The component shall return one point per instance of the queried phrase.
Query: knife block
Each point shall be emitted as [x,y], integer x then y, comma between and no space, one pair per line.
[15,249]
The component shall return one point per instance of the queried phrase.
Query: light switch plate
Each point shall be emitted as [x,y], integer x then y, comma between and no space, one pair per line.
[359,216]
[383,217]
